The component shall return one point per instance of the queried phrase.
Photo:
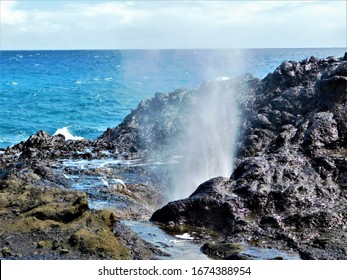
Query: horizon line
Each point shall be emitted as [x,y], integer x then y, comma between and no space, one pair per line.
[168,49]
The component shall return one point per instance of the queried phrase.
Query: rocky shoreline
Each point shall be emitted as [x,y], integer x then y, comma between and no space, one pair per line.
[288,188]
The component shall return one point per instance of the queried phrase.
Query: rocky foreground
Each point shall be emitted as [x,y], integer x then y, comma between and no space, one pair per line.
[288,189]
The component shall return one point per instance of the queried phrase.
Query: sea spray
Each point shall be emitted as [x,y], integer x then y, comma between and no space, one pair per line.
[67,134]
[207,143]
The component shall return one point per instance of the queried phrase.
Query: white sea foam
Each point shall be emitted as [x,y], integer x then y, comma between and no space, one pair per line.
[174,241]
[17,57]
[66,133]
[185,236]
[104,182]
[98,163]
[118,181]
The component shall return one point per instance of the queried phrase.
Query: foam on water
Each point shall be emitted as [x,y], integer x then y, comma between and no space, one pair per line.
[185,236]
[97,163]
[66,133]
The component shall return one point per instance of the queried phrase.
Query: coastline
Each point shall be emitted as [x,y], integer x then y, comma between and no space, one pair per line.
[299,208]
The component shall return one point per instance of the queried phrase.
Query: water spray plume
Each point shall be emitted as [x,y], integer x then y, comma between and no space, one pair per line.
[207,145]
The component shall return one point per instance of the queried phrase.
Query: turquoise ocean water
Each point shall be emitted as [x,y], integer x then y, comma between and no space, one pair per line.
[89,91]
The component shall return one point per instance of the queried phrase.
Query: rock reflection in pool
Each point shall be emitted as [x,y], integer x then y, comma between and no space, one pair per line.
[178,249]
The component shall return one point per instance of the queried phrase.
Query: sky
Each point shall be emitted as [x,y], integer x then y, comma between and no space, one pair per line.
[60,24]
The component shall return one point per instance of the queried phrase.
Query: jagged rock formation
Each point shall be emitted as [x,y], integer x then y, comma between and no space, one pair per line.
[153,123]
[289,184]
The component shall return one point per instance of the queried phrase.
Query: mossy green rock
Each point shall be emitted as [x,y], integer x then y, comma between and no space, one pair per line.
[6,252]
[103,242]
[60,218]
[41,244]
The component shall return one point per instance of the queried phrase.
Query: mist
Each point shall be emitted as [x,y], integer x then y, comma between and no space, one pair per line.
[205,148]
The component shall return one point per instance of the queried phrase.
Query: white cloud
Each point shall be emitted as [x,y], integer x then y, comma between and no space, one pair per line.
[10,15]
[160,24]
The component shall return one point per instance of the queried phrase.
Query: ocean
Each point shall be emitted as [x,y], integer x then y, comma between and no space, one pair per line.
[87,91]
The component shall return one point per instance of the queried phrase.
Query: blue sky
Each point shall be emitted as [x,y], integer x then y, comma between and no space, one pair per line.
[81,24]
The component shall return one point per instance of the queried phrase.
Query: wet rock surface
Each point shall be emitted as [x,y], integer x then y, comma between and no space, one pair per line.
[138,248]
[288,189]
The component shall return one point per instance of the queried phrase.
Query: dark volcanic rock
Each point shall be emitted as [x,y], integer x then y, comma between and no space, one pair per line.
[153,123]
[321,133]
[289,184]
[202,207]
[228,251]
[333,86]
